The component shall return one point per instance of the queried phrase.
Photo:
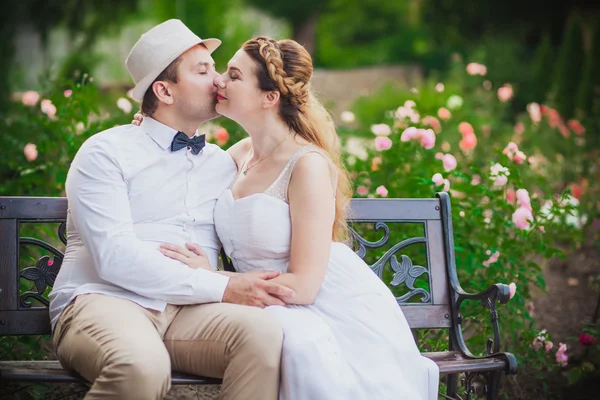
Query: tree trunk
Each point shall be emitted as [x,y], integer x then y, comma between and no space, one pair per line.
[305,33]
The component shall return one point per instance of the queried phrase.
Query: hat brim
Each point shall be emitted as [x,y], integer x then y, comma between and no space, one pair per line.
[142,86]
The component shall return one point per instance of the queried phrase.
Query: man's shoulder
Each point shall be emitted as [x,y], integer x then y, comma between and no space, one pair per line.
[112,138]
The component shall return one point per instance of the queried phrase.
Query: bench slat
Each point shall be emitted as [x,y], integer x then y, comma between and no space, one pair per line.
[421,316]
[52,371]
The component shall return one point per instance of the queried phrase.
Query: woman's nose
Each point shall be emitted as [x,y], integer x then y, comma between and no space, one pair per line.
[219,82]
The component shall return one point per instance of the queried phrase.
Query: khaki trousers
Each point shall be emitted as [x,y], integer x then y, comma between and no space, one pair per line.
[128,351]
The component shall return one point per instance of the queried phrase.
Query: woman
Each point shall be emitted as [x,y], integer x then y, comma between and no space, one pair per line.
[344,335]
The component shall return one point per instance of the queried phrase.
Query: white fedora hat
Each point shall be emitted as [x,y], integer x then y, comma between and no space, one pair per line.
[158,48]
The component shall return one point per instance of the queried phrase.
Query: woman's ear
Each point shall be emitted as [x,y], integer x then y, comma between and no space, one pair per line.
[163,92]
[271,99]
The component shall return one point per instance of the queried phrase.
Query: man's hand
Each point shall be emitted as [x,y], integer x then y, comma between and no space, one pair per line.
[255,289]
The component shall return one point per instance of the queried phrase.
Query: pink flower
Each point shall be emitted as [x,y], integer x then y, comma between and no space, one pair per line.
[510,195]
[522,218]
[466,128]
[382,191]
[549,345]
[500,181]
[586,340]
[444,114]
[68,93]
[381,129]
[510,149]
[30,151]
[449,162]
[468,142]
[564,131]
[535,112]
[531,307]
[542,229]
[519,157]
[347,117]
[537,343]
[476,69]
[48,108]
[505,93]
[375,163]
[383,143]
[523,199]
[519,128]
[409,133]
[50,262]
[576,126]
[513,289]
[427,138]
[553,118]
[446,187]
[30,98]
[439,156]
[221,136]
[576,190]
[438,179]
[362,190]
[439,87]
[476,180]
[433,122]
[561,356]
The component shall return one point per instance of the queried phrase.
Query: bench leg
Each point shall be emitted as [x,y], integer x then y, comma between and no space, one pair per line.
[451,385]
[493,385]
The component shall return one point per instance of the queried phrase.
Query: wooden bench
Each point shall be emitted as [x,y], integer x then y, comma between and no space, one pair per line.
[429,293]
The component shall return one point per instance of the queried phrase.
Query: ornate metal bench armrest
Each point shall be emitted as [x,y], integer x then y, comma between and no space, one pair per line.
[498,293]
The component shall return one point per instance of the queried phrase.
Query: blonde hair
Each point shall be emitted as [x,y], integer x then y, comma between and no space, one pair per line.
[285,66]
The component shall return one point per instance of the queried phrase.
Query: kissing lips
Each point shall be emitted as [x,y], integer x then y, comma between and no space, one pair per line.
[220,97]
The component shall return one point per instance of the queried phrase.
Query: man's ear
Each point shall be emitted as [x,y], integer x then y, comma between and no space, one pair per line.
[271,99]
[162,90]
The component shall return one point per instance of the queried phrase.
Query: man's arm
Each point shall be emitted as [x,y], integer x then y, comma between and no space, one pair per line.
[100,209]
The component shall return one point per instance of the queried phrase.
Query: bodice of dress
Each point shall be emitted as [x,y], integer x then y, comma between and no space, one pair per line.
[256,230]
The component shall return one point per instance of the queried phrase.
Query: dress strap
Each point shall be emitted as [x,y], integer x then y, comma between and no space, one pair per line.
[279,188]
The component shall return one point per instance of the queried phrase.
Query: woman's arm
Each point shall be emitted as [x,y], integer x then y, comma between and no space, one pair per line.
[311,199]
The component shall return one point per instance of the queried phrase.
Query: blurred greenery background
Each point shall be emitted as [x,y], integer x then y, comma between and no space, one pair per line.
[482,83]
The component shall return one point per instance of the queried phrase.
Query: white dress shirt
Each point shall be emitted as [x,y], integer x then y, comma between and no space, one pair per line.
[128,193]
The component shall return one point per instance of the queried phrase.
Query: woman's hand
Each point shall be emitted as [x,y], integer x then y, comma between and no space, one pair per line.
[137,119]
[192,255]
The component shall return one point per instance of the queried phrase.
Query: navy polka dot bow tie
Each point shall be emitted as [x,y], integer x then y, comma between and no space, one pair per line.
[181,141]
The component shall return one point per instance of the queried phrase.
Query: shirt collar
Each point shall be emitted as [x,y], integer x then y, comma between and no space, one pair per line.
[159,132]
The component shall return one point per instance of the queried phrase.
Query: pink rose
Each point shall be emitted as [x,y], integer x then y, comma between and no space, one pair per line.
[382,191]
[519,157]
[444,114]
[433,122]
[449,162]
[381,129]
[537,343]
[505,93]
[30,151]
[409,134]
[519,128]
[576,126]
[362,190]
[476,180]
[438,179]
[513,289]
[549,345]
[561,356]
[383,143]
[523,199]
[476,69]
[466,128]
[427,138]
[221,136]
[68,93]
[468,142]
[510,195]
[446,187]
[535,112]
[522,218]
[48,108]
[500,181]
[375,163]
[30,98]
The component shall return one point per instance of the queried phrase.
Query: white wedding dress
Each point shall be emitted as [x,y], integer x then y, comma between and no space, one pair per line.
[353,342]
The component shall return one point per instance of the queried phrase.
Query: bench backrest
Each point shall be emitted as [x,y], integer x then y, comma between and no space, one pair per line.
[419,279]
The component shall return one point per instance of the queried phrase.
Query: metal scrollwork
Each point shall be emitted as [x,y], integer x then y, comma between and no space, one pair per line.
[44,273]
[404,271]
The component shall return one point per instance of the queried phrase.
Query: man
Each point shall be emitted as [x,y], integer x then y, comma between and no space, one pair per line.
[123,314]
